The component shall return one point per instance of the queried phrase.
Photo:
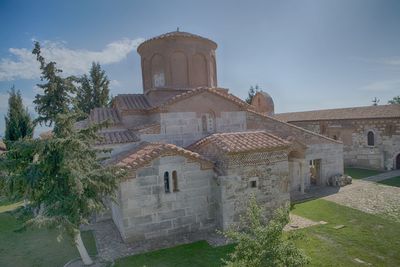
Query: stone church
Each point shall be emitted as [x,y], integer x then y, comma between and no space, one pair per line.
[370,135]
[195,152]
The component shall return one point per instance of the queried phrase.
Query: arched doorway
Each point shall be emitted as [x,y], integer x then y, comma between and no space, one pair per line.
[398,162]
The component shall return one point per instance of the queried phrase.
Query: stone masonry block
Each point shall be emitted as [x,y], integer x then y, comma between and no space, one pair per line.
[171,214]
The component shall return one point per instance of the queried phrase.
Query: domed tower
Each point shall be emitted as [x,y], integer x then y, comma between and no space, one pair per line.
[263,103]
[177,61]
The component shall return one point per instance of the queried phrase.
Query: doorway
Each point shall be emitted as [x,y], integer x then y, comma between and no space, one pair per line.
[398,162]
[315,171]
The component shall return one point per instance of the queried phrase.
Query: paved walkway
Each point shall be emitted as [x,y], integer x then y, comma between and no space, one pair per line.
[363,194]
[382,176]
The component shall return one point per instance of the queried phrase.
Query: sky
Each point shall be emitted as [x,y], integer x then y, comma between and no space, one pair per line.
[307,54]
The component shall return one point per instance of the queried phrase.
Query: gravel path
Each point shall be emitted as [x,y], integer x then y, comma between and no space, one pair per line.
[368,196]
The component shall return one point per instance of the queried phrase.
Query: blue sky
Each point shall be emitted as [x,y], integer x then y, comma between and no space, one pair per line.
[306,54]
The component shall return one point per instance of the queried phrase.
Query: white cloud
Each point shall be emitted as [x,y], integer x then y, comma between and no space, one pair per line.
[115,84]
[72,62]
[382,86]
[394,61]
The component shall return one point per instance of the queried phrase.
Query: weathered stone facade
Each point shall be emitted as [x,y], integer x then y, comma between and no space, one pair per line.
[144,210]
[381,155]
[196,154]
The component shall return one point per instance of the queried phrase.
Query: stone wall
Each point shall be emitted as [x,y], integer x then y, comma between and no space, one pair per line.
[235,188]
[146,211]
[329,151]
[353,133]
[184,128]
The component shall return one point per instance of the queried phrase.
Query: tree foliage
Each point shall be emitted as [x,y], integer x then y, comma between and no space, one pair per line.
[259,243]
[395,100]
[252,92]
[93,91]
[62,176]
[57,91]
[18,121]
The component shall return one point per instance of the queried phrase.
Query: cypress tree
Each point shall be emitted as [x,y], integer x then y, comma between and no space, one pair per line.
[18,121]
[62,177]
[93,91]
[58,91]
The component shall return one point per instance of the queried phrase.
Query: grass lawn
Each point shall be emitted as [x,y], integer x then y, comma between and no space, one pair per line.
[370,238]
[357,173]
[395,181]
[195,254]
[34,247]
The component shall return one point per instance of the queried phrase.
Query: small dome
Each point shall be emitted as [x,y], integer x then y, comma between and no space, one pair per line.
[263,103]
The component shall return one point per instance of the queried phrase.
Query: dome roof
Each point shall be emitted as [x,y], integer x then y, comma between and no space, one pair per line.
[177,34]
[263,103]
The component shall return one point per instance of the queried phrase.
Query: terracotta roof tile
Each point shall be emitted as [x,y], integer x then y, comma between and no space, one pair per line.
[117,137]
[139,102]
[242,141]
[146,152]
[368,112]
[132,101]
[98,115]
[175,34]
[217,91]
[2,146]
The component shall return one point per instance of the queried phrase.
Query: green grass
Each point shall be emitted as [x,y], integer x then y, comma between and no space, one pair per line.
[195,254]
[357,173]
[34,247]
[395,181]
[370,238]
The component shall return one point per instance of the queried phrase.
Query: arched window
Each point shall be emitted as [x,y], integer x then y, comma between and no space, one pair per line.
[166,182]
[175,181]
[204,123]
[371,138]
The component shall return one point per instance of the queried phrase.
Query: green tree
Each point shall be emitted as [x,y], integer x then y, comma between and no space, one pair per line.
[252,92]
[93,91]
[18,121]
[64,179]
[259,243]
[395,100]
[57,91]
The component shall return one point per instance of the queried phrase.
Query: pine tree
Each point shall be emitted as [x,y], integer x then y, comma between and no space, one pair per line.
[18,121]
[395,100]
[260,243]
[58,91]
[93,91]
[62,177]
[252,92]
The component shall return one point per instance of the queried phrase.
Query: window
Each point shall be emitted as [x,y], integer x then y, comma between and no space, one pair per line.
[253,184]
[175,181]
[371,138]
[204,123]
[335,137]
[166,182]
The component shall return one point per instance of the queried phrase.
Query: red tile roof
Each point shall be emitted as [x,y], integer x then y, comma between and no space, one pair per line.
[139,102]
[368,112]
[117,137]
[2,146]
[175,34]
[216,91]
[131,101]
[242,141]
[147,152]
[98,115]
